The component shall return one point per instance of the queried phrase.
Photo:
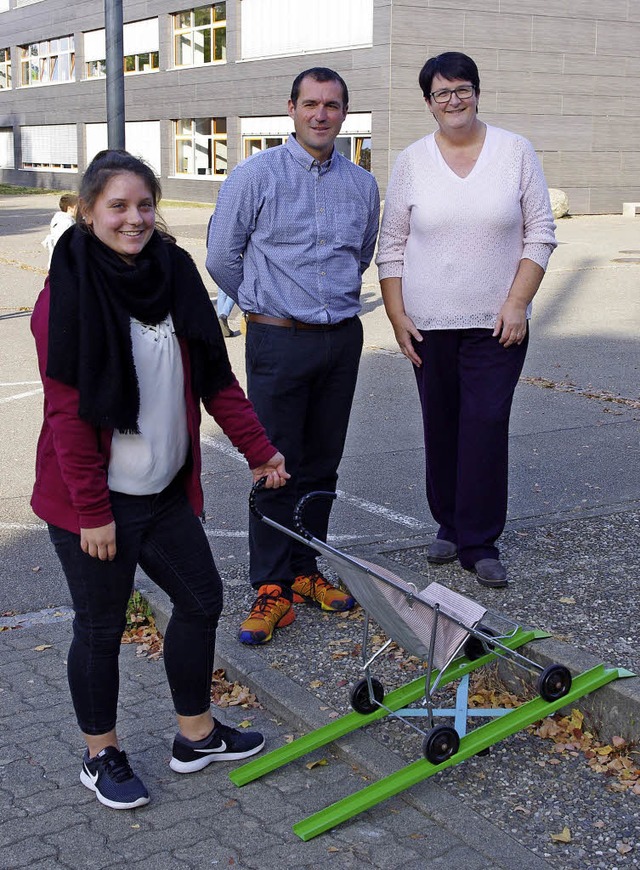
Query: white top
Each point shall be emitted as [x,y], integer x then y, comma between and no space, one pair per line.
[146,463]
[457,242]
[60,223]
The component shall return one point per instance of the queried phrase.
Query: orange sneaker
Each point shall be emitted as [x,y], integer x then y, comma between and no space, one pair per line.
[314,589]
[269,611]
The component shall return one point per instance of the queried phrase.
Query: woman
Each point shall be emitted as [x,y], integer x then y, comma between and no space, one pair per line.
[466,237]
[128,345]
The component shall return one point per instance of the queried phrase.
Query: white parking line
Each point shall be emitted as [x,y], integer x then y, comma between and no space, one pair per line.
[20,396]
[381,511]
[22,527]
[368,506]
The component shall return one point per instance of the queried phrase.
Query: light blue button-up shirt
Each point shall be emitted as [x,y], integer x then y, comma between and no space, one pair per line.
[291,237]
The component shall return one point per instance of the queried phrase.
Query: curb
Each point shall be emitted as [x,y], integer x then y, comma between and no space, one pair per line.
[284,697]
[614,710]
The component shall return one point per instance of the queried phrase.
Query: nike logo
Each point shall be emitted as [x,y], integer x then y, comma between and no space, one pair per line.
[221,748]
[92,776]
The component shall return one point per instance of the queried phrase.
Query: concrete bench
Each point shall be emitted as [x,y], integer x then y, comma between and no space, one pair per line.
[629,209]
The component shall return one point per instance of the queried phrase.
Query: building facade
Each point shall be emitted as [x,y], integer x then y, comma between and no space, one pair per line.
[207,84]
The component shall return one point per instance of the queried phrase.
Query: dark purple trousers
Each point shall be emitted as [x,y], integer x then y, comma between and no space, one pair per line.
[466,384]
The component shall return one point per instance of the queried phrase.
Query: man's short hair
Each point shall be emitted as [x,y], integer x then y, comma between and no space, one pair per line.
[67,200]
[319,74]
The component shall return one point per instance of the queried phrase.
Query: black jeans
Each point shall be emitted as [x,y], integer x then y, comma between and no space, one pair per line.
[466,385]
[301,383]
[162,535]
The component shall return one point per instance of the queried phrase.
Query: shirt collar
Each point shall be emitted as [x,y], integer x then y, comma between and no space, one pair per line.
[302,156]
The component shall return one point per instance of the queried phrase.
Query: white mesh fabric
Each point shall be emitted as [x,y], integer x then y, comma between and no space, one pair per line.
[408,616]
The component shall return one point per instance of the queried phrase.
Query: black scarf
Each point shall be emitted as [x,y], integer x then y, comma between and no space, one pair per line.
[94,293]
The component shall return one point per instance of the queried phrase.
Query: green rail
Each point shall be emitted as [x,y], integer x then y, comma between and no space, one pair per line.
[474,742]
[395,700]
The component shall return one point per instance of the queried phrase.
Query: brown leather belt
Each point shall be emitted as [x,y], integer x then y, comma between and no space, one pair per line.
[290,323]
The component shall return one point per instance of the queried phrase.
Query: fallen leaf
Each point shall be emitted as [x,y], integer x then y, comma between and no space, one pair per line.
[244,724]
[315,684]
[623,848]
[333,849]
[567,599]
[320,763]
[289,738]
[42,647]
[135,827]
[563,837]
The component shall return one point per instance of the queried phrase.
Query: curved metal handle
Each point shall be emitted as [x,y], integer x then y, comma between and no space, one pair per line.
[257,486]
[300,507]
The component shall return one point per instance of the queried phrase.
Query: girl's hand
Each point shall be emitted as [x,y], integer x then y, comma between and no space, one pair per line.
[99,543]
[274,471]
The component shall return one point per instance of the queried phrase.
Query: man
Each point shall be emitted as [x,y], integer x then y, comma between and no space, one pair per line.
[293,230]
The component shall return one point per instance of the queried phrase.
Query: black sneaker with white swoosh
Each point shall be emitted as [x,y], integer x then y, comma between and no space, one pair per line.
[109,775]
[223,744]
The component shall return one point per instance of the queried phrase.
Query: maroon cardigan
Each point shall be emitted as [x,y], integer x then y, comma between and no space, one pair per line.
[72,456]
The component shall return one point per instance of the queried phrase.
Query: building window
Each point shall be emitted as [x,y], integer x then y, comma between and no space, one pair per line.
[141,138]
[354,141]
[201,146]
[6,148]
[5,68]
[54,146]
[200,35]
[148,61]
[357,149]
[253,144]
[48,62]
[276,28]
[140,45]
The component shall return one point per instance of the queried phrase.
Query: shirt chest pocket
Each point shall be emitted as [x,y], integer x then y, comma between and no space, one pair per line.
[350,224]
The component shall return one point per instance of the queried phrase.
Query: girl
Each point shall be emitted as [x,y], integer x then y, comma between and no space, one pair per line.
[128,346]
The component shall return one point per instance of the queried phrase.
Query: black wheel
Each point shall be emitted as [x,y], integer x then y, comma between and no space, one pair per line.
[473,648]
[554,682]
[440,743]
[360,698]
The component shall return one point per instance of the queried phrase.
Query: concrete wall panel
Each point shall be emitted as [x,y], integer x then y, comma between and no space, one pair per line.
[483,30]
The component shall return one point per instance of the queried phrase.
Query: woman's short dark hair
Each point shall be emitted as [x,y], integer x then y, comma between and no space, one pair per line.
[450,65]
[319,74]
[112,162]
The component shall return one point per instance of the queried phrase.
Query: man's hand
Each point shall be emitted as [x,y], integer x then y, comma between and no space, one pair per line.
[274,471]
[99,543]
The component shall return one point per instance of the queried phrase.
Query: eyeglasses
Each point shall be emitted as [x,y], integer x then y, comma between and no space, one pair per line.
[464,92]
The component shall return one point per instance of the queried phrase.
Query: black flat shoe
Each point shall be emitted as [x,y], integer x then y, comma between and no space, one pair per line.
[439,552]
[491,573]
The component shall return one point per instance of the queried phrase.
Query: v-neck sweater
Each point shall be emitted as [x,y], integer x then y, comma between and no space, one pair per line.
[457,242]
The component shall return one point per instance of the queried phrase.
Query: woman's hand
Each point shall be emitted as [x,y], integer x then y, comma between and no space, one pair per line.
[511,323]
[99,543]
[403,326]
[405,330]
[274,471]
